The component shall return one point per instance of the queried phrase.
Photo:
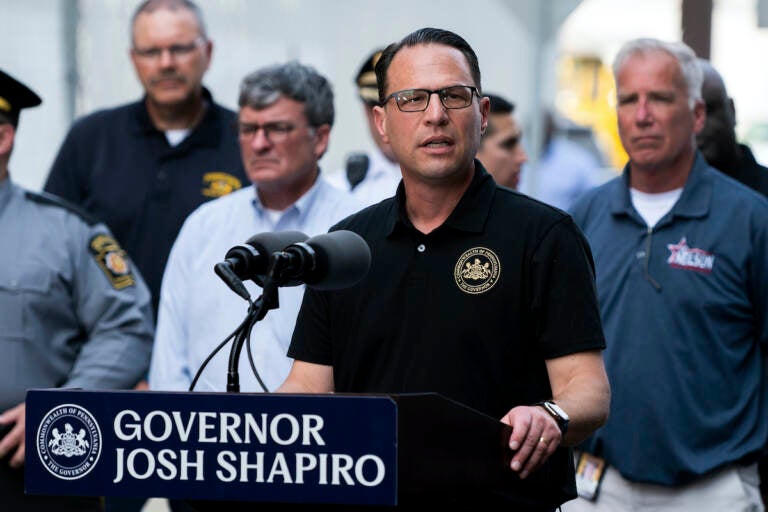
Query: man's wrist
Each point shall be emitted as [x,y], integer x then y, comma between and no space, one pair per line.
[557,413]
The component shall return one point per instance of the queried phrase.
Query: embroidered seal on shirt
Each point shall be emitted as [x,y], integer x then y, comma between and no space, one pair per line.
[69,441]
[689,258]
[477,270]
[217,184]
[112,260]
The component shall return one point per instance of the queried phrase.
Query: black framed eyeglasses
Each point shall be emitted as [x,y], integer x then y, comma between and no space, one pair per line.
[417,100]
[177,50]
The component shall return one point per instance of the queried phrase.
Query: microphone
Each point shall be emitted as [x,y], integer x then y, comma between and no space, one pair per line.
[251,259]
[330,261]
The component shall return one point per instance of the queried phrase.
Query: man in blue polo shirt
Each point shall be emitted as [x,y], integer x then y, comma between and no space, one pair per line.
[143,167]
[681,256]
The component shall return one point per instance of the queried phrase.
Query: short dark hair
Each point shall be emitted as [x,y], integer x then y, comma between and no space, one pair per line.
[426,36]
[498,106]
[152,5]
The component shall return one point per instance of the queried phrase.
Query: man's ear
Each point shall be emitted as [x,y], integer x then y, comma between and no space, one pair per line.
[322,137]
[380,118]
[699,116]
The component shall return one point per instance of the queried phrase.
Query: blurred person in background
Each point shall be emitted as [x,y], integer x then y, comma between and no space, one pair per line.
[285,119]
[374,175]
[501,148]
[717,140]
[565,169]
[143,167]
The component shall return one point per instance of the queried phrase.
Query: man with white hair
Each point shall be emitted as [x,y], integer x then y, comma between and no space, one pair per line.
[681,256]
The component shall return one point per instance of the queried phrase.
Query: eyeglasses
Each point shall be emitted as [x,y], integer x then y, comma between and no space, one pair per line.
[417,100]
[274,132]
[177,51]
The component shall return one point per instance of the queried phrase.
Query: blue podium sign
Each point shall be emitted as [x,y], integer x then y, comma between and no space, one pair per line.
[213,446]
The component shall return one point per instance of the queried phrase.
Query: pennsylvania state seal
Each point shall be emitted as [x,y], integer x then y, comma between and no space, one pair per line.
[69,442]
[477,270]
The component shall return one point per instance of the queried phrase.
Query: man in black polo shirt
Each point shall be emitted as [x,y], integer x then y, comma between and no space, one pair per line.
[143,167]
[475,291]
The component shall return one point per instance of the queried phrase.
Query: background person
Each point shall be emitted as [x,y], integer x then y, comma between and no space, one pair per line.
[73,311]
[717,140]
[681,254]
[285,119]
[501,149]
[494,339]
[143,167]
[373,175]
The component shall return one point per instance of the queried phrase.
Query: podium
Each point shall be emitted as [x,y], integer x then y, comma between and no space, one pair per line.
[344,449]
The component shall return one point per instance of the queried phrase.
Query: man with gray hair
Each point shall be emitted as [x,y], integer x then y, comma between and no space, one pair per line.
[681,256]
[284,124]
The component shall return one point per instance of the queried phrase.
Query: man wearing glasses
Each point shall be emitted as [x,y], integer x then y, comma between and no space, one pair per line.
[284,123]
[475,292]
[143,167]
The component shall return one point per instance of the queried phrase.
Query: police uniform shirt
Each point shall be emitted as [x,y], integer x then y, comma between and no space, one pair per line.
[470,310]
[380,181]
[121,169]
[73,312]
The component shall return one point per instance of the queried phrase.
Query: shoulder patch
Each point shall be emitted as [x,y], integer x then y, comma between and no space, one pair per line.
[112,260]
[52,200]
[217,184]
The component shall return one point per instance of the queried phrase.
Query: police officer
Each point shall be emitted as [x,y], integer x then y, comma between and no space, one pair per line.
[73,311]
[373,175]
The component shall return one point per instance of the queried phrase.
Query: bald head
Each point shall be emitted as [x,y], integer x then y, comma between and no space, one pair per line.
[717,141]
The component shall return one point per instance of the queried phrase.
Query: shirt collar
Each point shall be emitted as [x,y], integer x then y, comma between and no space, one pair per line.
[470,213]
[694,201]
[302,205]
[206,133]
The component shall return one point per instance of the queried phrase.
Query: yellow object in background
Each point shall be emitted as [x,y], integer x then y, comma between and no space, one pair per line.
[586,94]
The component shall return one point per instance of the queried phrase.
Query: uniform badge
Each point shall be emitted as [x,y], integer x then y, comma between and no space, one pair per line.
[112,260]
[477,270]
[69,442]
[217,184]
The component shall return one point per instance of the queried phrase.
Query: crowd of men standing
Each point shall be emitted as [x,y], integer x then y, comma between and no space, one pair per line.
[630,333]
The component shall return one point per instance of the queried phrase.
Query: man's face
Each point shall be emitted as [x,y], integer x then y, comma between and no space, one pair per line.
[279,148]
[717,140]
[656,125]
[502,151]
[170,55]
[438,144]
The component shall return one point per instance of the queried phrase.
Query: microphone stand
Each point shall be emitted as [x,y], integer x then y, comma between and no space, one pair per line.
[267,301]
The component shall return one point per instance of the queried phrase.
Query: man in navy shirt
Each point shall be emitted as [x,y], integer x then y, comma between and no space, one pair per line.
[681,256]
[143,167]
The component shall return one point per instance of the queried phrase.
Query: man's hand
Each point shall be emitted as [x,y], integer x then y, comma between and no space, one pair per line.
[535,436]
[13,442]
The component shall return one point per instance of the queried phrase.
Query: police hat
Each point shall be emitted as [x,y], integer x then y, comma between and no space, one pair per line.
[15,96]
[366,80]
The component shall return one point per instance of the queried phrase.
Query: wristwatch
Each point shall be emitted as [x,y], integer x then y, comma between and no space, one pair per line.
[557,412]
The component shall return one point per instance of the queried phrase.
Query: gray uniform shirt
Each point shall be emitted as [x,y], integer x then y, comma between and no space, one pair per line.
[73,311]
